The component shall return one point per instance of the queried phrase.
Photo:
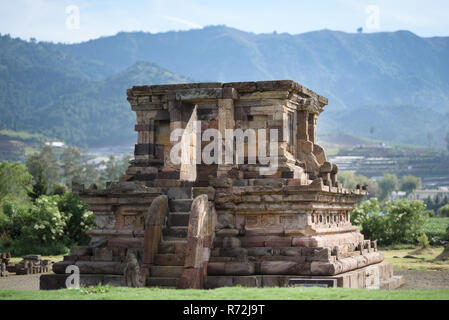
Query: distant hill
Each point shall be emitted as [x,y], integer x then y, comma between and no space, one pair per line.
[44,90]
[394,82]
[99,114]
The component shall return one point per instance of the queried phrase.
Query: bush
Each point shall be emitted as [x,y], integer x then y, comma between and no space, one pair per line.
[13,218]
[444,210]
[44,223]
[78,218]
[58,189]
[404,220]
[47,226]
[20,248]
[401,222]
[374,227]
[361,213]
[423,241]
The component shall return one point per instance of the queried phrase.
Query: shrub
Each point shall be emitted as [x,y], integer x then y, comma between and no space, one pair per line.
[44,223]
[78,218]
[374,227]
[444,210]
[361,213]
[13,218]
[423,241]
[404,220]
[401,222]
[23,247]
[58,189]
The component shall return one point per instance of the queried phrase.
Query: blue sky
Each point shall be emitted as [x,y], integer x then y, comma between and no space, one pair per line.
[81,20]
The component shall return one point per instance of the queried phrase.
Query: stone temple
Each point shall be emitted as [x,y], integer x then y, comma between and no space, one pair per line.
[200,225]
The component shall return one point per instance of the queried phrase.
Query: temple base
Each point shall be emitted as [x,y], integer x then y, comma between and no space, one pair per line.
[377,276]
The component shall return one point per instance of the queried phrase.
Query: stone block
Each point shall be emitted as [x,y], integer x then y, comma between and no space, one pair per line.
[169,259]
[274,241]
[274,281]
[238,268]
[213,282]
[80,251]
[209,191]
[281,267]
[247,281]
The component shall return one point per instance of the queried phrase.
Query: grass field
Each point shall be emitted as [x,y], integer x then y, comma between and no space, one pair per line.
[235,293]
[407,259]
[415,261]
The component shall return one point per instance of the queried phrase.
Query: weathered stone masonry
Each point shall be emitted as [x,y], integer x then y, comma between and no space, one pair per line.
[205,226]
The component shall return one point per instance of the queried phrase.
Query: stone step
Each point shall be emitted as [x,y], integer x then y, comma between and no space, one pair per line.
[166,271]
[172,245]
[169,259]
[175,232]
[163,282]
[179,193]
[180,205]
[179,219]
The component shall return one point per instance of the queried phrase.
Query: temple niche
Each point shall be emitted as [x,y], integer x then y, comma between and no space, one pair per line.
[199,225]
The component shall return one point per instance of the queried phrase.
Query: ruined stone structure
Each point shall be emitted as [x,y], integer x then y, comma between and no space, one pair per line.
[210,225]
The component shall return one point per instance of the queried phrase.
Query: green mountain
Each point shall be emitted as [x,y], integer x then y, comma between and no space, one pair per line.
[46,91]
[394,82]
[99,113]
[387,68]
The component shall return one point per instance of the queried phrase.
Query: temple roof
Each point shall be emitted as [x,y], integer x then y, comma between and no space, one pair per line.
[241,87]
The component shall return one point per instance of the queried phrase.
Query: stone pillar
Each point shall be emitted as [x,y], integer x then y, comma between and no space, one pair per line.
[334,175]
[225,121]
[175,110]
[312,118]
[302,125]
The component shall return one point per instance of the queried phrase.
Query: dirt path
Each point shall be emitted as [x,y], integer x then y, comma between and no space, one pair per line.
[424,279]
[22,282]
[414,279]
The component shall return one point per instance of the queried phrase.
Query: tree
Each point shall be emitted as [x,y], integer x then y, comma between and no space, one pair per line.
[124,163]
[15,181]
[350,180]
[46,160]
[112,169]
[40,186]
[444,210]
[410,183]
[72,165]
[387,184]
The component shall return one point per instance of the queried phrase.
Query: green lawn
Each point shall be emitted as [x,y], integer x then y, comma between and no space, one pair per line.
[415,261]
[235,293]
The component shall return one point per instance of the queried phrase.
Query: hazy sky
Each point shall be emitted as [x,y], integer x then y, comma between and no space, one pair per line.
[80,20]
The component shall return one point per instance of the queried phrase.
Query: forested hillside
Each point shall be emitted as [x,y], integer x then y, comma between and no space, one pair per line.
[392,86]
